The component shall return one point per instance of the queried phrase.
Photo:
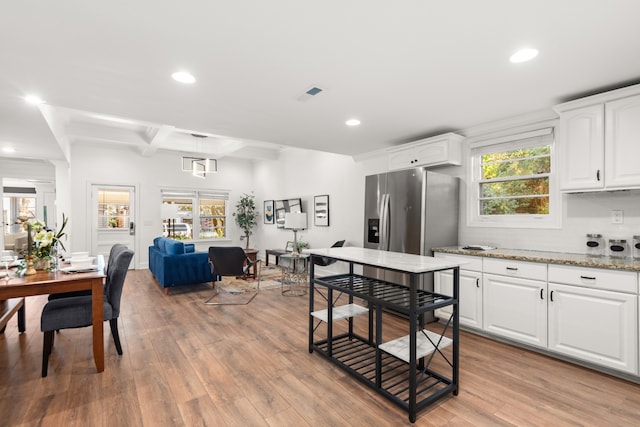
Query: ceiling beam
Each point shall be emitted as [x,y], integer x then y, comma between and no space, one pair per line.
[156,142]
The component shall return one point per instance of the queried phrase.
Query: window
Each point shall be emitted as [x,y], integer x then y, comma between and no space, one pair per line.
[18,207]
[186,214]
[513,182]
[113,208]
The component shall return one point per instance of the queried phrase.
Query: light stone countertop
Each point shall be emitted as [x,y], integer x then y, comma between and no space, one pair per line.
[579,260]
[393,260]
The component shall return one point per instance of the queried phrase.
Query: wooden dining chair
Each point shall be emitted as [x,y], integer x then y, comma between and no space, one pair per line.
[75,311]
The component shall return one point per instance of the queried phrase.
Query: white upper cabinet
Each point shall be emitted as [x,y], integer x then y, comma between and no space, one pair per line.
[581,148]
[599,142]
[436,151]
[622,150]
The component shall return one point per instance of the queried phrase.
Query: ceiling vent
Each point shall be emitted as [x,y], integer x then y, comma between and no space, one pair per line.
[310,93]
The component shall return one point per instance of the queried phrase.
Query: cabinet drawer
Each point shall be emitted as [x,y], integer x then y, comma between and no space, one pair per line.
[471,263]
[524,269]
[596,278]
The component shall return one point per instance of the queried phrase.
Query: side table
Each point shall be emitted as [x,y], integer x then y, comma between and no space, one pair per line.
[294,275]
[252,254]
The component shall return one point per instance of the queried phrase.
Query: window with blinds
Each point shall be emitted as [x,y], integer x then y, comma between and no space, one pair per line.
[202,214]
[513,181]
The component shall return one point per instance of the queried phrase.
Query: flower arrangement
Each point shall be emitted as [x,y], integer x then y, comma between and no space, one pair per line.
[41,242]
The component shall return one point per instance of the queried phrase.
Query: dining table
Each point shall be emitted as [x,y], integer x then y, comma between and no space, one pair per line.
[54,282]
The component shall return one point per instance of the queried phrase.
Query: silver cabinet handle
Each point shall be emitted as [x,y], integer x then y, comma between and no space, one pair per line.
[512,269]
[477,282]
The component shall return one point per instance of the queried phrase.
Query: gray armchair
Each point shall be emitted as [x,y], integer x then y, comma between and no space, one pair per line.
[75,311]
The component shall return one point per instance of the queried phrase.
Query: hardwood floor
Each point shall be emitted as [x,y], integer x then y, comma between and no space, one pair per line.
[189,364]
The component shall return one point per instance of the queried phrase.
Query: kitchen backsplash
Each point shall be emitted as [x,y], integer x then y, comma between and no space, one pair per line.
[582,213]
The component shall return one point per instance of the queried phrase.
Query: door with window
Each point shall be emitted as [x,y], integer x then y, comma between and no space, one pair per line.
[113,219]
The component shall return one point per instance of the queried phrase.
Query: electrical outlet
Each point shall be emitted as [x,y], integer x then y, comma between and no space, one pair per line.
[617,217]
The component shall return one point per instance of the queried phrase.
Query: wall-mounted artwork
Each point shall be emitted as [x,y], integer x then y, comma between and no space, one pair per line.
[269,214]
[284,206]
[321,210]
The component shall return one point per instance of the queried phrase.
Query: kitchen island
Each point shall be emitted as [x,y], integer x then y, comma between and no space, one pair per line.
[413,370]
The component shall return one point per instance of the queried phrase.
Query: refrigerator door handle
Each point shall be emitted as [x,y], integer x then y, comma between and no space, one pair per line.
[384,223]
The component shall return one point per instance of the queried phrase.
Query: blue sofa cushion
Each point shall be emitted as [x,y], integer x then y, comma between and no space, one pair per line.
[189,248]
[173,247]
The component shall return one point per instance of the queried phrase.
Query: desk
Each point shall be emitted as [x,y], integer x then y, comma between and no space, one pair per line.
[43,283]
[275,252]
[294,275]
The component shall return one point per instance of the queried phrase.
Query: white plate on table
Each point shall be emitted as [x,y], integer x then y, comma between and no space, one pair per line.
[79,269]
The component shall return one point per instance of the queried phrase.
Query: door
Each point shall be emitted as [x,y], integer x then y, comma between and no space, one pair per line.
[594,325]
[113,208]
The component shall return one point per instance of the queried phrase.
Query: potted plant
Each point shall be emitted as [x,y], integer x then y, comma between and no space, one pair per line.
[246,215]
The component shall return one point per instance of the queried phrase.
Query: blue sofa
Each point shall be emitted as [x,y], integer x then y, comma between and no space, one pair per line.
[174,263]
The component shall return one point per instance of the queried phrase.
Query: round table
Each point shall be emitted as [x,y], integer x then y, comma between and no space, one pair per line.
[295,276]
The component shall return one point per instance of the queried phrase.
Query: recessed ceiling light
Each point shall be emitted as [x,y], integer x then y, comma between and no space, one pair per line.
[34,99]
[9,150]
[524,55]
[353,122]
[183,77]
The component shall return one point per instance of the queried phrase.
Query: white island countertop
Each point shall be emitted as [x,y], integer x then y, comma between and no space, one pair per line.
[408,263]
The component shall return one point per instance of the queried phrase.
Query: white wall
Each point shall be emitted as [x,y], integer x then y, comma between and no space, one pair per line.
[305,174]
[94,164]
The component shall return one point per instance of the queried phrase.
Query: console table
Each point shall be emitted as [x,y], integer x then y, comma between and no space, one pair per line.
[275,252]
[413,370]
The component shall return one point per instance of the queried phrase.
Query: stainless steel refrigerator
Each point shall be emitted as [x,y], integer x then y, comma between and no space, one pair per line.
[410,211]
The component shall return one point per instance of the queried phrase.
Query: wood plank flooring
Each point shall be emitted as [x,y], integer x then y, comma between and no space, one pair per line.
[188,364]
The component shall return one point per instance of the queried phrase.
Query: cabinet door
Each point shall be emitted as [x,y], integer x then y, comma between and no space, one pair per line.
[402,159]
[622,148]
[515,308]
[444,151]
[594,325]
[470,304]
[580,147]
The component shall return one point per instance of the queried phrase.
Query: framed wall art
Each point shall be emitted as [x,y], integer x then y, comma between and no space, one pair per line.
[321,210]
[269,216]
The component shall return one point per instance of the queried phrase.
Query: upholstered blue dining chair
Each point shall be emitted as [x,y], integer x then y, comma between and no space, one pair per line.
[75,311]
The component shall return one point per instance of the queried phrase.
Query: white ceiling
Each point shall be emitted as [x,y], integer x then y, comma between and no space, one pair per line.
[407,69]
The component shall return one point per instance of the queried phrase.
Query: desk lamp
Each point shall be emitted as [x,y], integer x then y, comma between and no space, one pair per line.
[295,221]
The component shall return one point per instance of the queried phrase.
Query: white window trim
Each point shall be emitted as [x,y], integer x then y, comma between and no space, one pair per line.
[196,195]
[477,148]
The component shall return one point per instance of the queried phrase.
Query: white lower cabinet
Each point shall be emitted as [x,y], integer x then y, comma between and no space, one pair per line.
[470,296]
[588,314]
[590,320]
[470,304]
[516,308]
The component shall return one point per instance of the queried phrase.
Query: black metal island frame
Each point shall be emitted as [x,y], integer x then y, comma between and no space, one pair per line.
[413,370]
